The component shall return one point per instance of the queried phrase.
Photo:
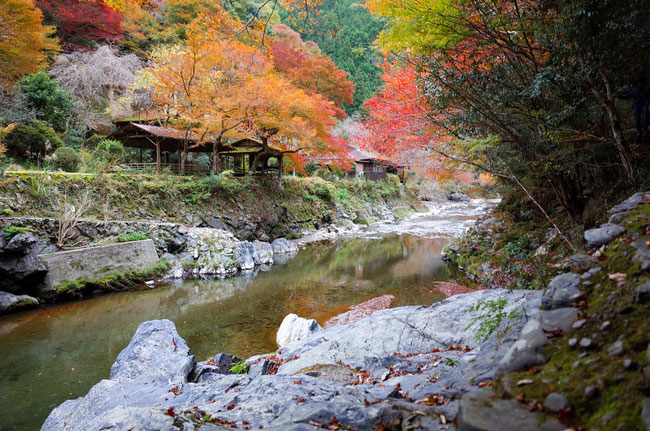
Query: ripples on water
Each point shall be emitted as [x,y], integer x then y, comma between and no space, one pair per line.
[58,352]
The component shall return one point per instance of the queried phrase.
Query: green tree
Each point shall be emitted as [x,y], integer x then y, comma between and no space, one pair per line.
[43,95]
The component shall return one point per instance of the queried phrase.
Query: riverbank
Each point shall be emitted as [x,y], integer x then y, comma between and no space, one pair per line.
[207,227]
[575,355]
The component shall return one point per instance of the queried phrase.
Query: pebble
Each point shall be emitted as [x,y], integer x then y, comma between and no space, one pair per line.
[605,325]
[586,343]
[579,323]
[525,382]
[556,401]
[591,392]
[615,349]
[573,342]
[629,364]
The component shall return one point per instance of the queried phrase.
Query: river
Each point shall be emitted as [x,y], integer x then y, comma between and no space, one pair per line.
[58,352]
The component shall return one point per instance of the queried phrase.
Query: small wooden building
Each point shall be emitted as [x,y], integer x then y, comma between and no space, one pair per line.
[163,141]
[374,169]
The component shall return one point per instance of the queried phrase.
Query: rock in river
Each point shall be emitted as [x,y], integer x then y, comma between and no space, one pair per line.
[294,328]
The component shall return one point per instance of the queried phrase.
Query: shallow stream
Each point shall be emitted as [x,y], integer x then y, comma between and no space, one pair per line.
[59,351]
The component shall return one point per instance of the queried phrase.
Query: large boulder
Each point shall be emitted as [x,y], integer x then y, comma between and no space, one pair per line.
[603,235]
[403,330]
[528,350]
[457,197]
[294,328]
[10,302]
[283,246]
[21,270]
[630,203]
[561,290]
[156,351]
[264,252]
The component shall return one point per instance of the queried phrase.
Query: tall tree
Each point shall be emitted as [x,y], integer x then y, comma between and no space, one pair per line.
[25,43]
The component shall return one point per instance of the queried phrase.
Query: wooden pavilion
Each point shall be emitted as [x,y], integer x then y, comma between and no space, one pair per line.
[242,156]
[164,141]
[251,155]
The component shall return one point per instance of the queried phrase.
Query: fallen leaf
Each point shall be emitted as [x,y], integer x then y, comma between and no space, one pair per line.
[617,276]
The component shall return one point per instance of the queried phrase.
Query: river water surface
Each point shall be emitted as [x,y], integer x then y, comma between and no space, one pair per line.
[59,351]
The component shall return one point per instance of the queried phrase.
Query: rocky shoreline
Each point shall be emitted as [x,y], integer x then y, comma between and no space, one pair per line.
[485,360]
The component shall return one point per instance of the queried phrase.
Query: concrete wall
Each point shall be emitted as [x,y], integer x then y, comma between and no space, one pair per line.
[97,262]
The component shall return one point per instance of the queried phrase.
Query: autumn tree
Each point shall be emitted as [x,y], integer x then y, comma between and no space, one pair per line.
[305,65]
[81,23]
[497,77]
[25,43]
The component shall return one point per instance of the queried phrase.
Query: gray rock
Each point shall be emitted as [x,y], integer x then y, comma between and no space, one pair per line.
[528,350]
[581,262]
[223,362]
[645,413]
[579,323]
[260,368]
[642,293]
[156,351]
[264,252]
[603,235]
[642,254]
[294,328]
[10,302]
[20,243]
[556,401]
[552,425]
[592,392]
[560,290]
[457,197]
[629,203]
[573,342]
[283,246]
[586,343]
[483,411]
[618,217]
[616,349]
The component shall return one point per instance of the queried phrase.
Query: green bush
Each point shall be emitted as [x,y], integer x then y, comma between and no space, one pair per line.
[67,159]
[32,140]
[109,151]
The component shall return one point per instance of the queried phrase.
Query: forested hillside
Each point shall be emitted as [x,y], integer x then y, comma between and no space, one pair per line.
[345,31]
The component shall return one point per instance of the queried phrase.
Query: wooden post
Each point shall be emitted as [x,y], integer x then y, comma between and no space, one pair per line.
[280,157]
[140,154]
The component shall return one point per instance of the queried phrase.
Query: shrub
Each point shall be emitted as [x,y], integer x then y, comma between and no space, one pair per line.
[32,140]
[109,151]
[67,159]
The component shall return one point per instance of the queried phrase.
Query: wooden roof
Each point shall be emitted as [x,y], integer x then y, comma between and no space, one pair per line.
[144,136]
[247,145]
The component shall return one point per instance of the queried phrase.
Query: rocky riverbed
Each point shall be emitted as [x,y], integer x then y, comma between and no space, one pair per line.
[486,360]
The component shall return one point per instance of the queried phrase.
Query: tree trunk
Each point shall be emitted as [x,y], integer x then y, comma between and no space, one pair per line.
[215,155]
[607,102]
[157,157]
[184,158]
